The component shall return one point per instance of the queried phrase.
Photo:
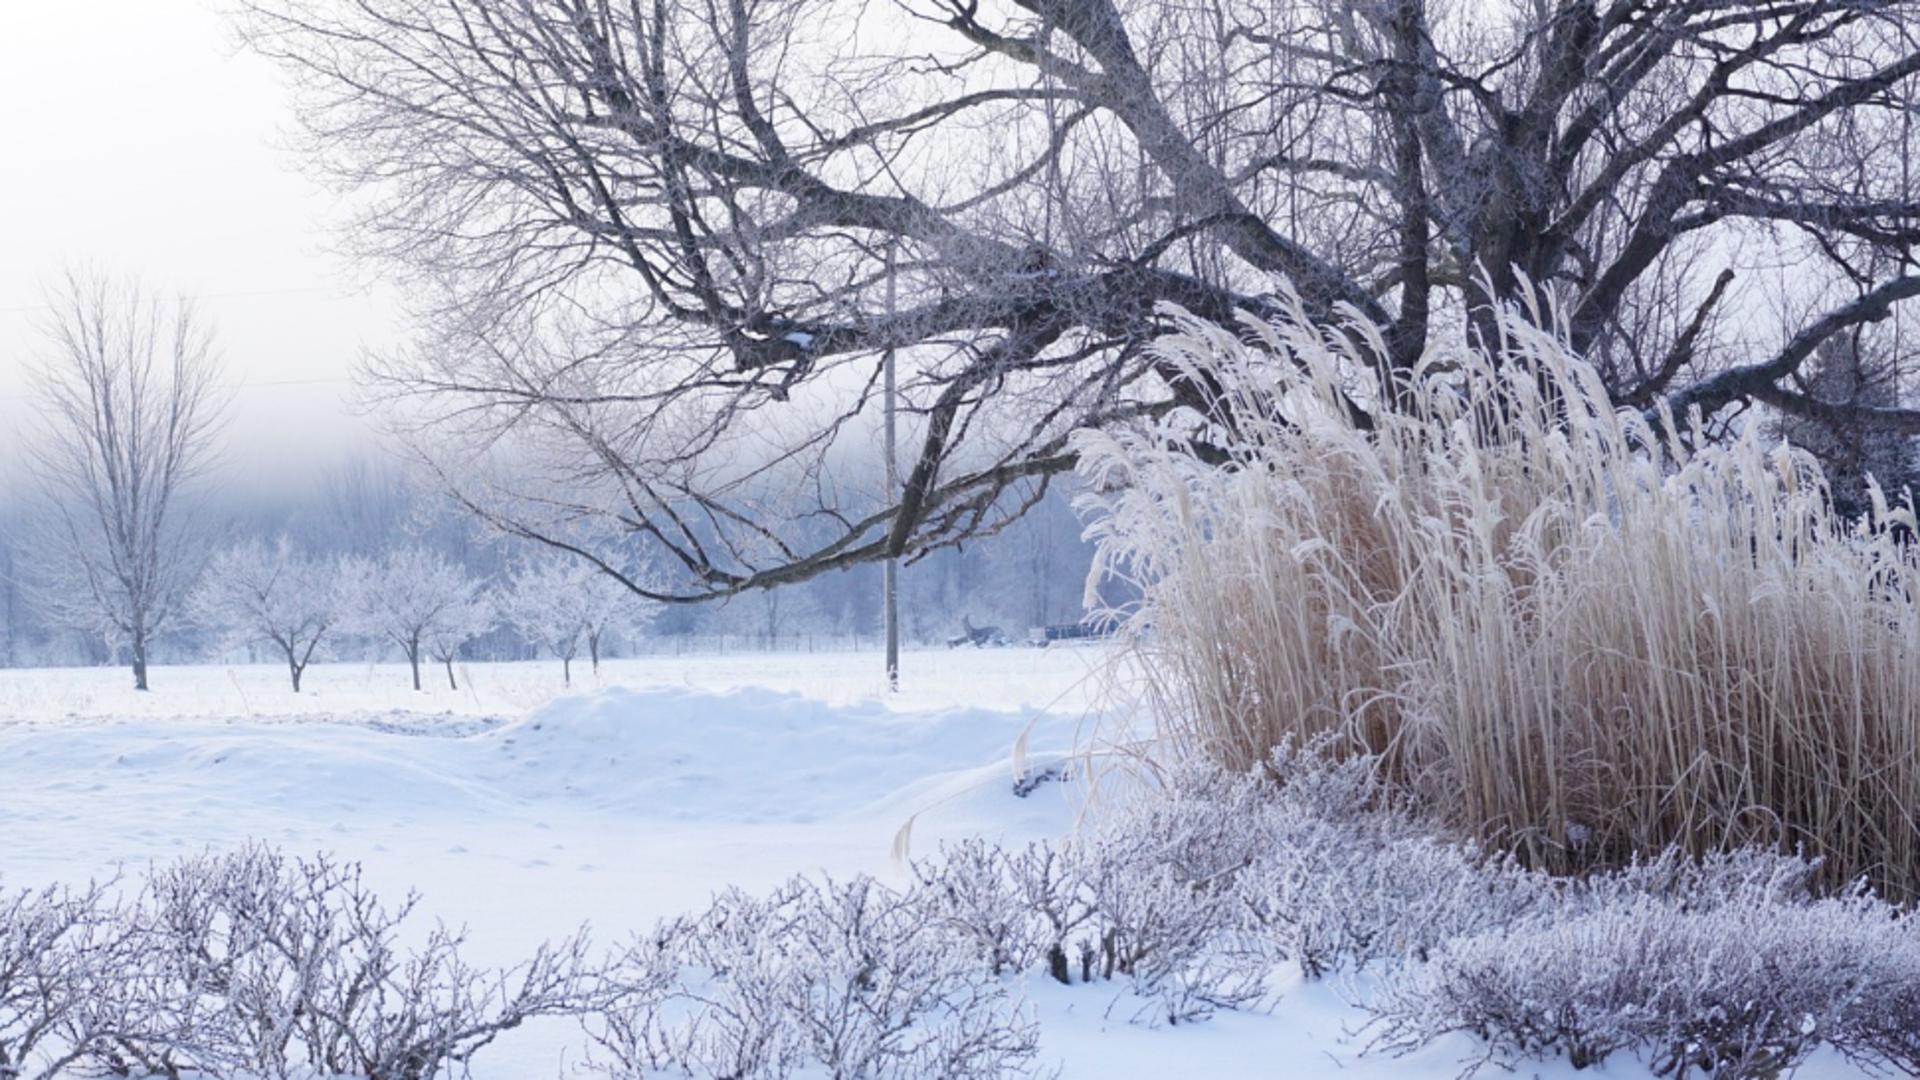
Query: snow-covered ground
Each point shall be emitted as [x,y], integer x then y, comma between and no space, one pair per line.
[1057,680]
[521,811]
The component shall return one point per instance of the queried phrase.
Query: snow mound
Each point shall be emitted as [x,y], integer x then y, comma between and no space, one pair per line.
[744,756]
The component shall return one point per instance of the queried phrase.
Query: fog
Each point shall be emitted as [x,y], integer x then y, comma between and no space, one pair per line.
[142,140]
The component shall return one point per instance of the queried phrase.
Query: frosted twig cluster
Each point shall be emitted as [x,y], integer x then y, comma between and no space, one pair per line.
[1212,894]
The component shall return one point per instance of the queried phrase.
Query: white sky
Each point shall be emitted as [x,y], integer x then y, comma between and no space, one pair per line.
[136,136]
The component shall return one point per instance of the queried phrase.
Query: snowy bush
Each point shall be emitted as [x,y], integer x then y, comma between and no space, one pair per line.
[59,951]
[1095,911]
[851,978]
[1171,907]
[1745,985]
[1348,874]
[1151,896]
[253,964]
[974,890]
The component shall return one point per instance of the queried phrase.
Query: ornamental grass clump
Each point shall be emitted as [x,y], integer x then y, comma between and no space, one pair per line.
[1569,629]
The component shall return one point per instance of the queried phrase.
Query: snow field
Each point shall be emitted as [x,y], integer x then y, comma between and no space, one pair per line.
[522,815]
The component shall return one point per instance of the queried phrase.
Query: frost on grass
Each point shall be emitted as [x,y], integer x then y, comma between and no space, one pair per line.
[1574,631]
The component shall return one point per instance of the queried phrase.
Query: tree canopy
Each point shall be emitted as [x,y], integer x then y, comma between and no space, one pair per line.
[663,247]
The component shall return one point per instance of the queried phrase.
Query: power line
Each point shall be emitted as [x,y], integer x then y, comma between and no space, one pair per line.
[266,383]
[295,290]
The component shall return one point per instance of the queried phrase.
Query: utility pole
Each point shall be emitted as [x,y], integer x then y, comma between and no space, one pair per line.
[891,574]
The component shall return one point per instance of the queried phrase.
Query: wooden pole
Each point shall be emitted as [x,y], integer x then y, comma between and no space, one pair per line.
[891,574]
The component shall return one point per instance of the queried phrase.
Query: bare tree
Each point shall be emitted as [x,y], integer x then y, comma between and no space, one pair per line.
[129,409]
[667,245]
[609,608]
[548,601]
[254,591]
[407,597]
[468,618]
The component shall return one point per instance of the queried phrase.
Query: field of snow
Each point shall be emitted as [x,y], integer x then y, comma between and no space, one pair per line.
[521,811]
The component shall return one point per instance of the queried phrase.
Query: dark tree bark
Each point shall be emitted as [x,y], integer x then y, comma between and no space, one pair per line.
[139,654]
[412,648]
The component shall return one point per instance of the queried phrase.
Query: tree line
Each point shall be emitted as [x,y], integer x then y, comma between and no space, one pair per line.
[122,542]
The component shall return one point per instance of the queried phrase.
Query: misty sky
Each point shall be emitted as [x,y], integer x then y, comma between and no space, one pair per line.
[140,138]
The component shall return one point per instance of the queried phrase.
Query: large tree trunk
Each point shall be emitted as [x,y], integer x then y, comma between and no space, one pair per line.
[566,670]
[413,658]
[293,670]
[451,685]
[593,650]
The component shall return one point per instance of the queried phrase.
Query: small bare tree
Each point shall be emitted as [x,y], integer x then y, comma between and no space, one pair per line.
[256,591]
[460,623]
[406,598]
[609,607]
[129,408]
[10,605]
[547,602]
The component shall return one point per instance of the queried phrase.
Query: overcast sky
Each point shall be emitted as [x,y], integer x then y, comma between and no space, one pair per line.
[138,137]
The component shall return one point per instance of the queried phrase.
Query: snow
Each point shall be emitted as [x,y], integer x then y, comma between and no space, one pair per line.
[521,812]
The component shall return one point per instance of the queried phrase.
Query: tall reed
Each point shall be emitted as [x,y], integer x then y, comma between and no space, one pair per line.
[1561,629]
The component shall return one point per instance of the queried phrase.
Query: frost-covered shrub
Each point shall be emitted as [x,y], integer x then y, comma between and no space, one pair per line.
[1009,906]
[1346,874]
[1175,940]
[1192,895]
[1148,897]
[1331,904]
[851,978]
[59,949]
[878,991]
[255,964]
[1176,905]
[1316,859]
[1576,632]
[1744,984]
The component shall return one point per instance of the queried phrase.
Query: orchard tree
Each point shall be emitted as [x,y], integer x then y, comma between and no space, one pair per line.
[459,624]
[407,596]
[547,601]
[128,406]
[608,607]
[669,247]
[255,591]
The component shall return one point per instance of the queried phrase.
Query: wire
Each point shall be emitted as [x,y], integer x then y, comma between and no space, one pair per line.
[215,296]
[238,386]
